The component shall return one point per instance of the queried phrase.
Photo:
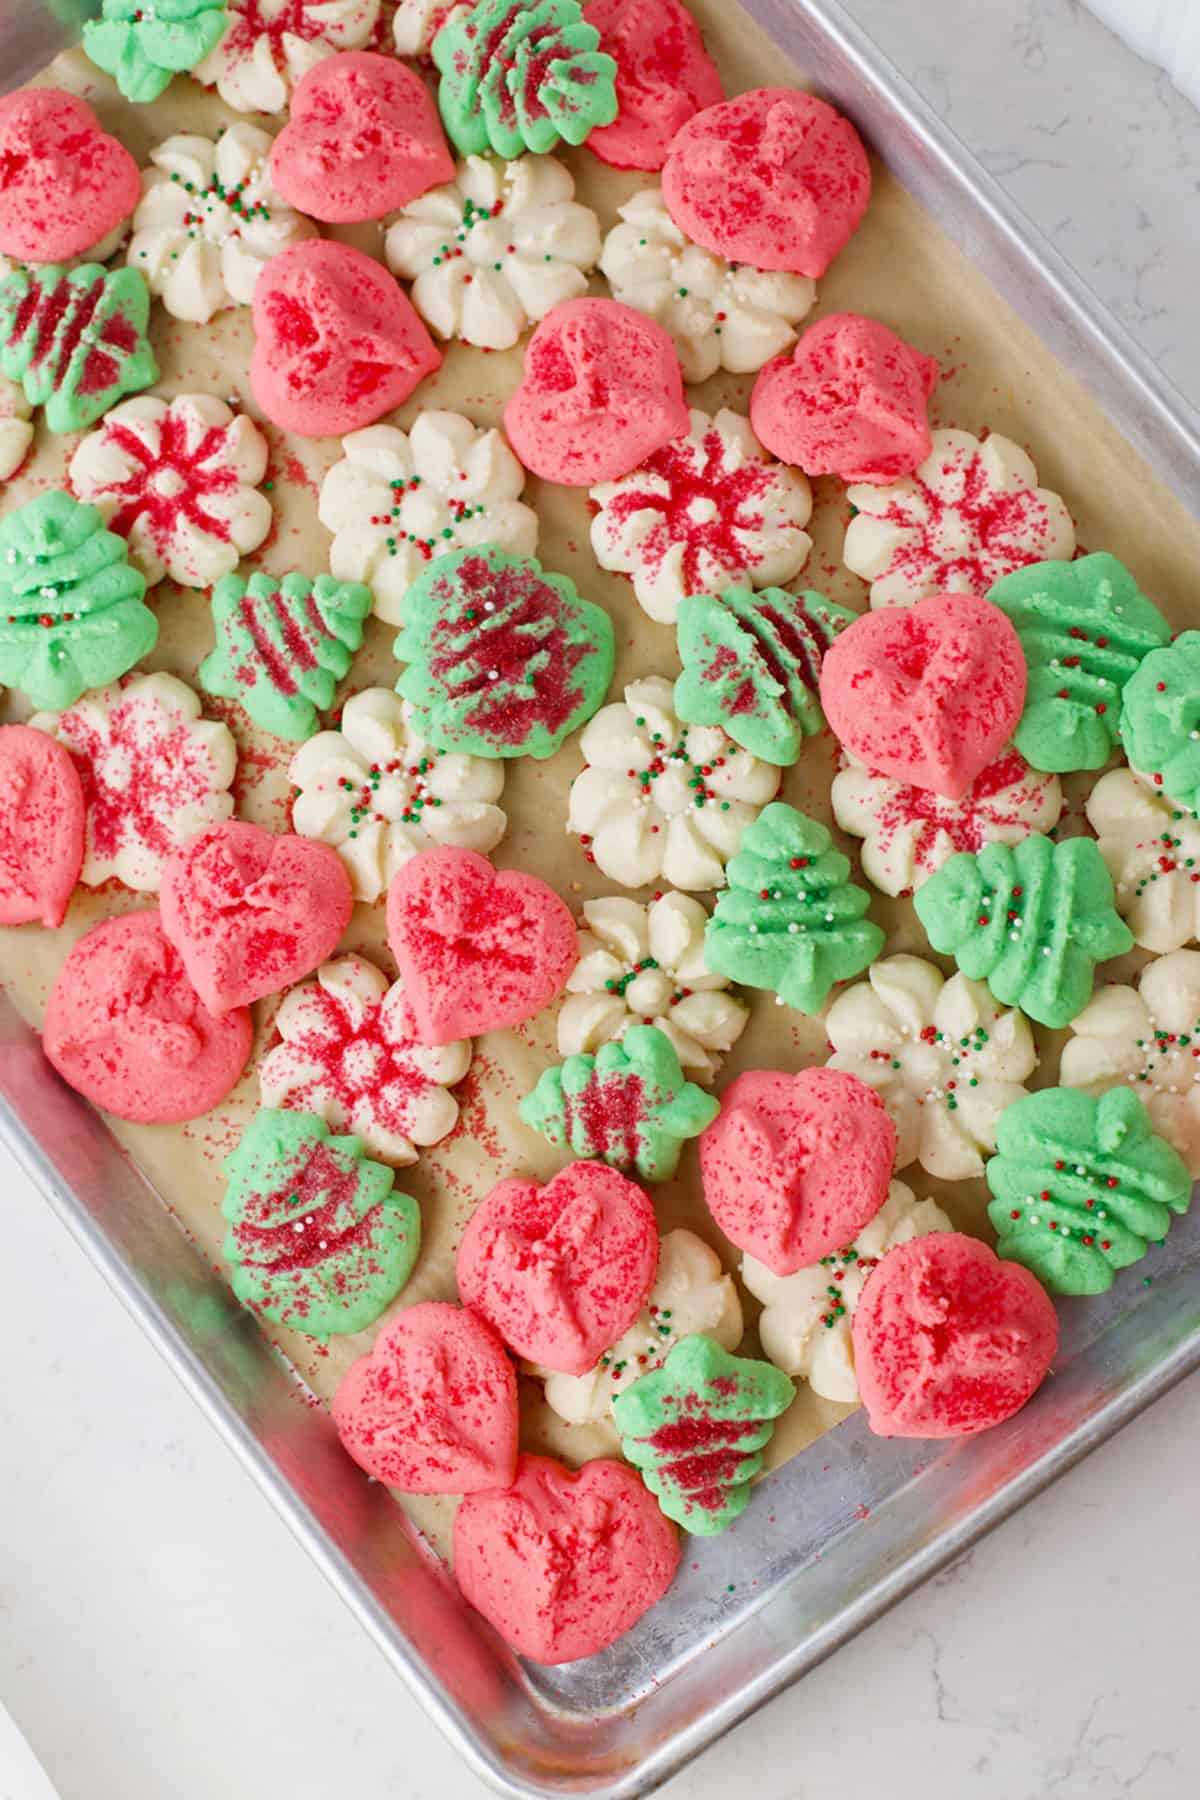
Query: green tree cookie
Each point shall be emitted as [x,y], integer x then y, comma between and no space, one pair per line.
[628,1105]
[141,46]
[283,646]
[1084,627]
[752,663]
[1032,921]
[790,920]
[1160,719]
[518,76]
[504,659]
[75,339]
[696,1428]
[318,1238]
[71,609]
[1082,1186]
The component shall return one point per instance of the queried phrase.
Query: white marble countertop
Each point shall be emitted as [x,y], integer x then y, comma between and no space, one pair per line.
[162,1633]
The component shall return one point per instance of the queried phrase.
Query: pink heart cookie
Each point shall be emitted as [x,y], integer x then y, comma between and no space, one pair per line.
[664,76]
[926,693]
[564,1561]
[795,1165]
[433,1408]
[562,1270]
[42,821]
[477,950]
[251,911]
[64,182]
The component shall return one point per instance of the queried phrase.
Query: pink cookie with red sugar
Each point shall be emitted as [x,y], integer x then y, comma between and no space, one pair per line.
[601,391]
[126,1028]
[775,178]
[851,400]
[337,342]
[42,827]
[664,76]
[64,182]
[949,1340]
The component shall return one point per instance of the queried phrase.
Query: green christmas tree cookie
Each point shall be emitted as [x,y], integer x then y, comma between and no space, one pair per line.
[283,646]
[1032,921]
[1082,1187]
[142,46]
[1084,627]
[71,609]
[318,1238]
[628,1105]
[1160,719]
[519,76]
[790,920]
[504,659]
[75,339]
[696,1428]
[752,664]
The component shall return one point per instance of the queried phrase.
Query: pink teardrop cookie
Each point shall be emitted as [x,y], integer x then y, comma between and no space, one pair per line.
[337,342]
[363,138]
[126,1028]
[775,178]
[565,1561]
[476,950]
[601,392]
[562,1270]
[948,1339]
[664,76]
[926,693]
[251,911]
[794,1166]
[433,1408]
[64,182]
[42,827]
[851,400]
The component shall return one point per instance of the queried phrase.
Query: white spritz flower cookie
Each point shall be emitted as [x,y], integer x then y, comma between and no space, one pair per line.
[644,965]
[16,430]
[416,23]
[377,793]
[269,44]
[350,1055]
[398,499]
[942,1056]
[662,800]
[1152,850]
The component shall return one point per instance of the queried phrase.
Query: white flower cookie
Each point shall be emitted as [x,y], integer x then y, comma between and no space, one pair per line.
[660,799]
[1148,1037]
[209,220]
[708,511]
[1152,850]
[644,965]
[350,1055]
[398,499]
[942,1056]
[721,315]
[154,773]
[269,44]
[16,431]
[491,252]
[805,1323]
[416,23]
[691,1293]
[969,514]
[909,832]
[377,793]
[178,479]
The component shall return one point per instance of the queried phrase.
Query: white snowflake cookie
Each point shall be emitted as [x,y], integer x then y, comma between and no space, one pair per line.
[209,220]
[490,253]
[721,315]
[691,1293]
[16,430]
[942,1056]
[178,479]
[377,793]
[398,499]
[1152,850]
[708,511]
[969,514]
[154,773]
[416,23]
[350,1055]
[269,44]
[1149,1037]
[644,965]
[660,800]
[908,832]
[805,1323]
